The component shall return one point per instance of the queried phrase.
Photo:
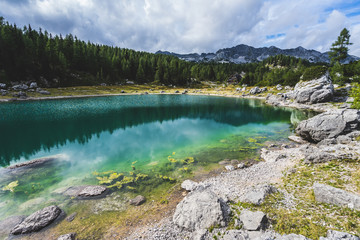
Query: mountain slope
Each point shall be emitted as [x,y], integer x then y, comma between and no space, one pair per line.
[244,54]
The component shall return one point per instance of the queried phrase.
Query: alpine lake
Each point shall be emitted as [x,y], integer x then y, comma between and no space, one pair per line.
[135,145]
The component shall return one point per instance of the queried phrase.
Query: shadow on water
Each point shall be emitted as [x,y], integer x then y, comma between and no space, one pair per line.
[28,127]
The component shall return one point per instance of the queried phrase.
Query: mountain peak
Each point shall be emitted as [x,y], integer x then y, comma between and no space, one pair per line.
[245,54]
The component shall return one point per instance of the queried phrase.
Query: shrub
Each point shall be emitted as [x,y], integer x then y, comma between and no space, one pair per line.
[356,95]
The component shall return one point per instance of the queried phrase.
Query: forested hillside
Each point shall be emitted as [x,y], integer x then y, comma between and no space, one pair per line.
[30,55]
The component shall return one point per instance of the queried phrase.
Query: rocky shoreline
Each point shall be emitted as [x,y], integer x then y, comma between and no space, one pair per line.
[205,212]
[223,206]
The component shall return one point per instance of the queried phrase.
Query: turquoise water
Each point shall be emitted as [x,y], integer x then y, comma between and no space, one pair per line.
[111,133]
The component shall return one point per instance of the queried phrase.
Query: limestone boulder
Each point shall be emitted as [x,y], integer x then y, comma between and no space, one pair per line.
[314,91]
[253,221]
[329,125]
[331,195]
[200,209]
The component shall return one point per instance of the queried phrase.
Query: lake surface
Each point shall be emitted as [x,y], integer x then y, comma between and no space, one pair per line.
[165,137]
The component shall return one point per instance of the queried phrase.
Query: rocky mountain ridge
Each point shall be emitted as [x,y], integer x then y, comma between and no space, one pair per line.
[246,54]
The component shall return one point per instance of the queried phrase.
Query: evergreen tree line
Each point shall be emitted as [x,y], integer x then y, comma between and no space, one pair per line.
[28,55]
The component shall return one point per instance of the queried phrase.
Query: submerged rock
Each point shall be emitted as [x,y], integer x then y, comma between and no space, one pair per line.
[92,191]
[71,217]
[200,209]
[329,125]
[8,224]
[331,195]
[36,162]
[138,200]
[37,221]
[83,191]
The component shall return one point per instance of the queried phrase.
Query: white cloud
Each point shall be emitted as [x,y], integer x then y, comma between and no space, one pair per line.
[191,25]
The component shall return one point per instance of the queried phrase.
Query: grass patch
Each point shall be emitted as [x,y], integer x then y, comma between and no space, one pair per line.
[306,216]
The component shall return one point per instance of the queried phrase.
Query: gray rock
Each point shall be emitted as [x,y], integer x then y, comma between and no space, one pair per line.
[279,87]
[314,91]
[335,235]
[44,92]
[255,90]
[264,89]
[189,185]
[20,94]
[201,234]
[229,167]
[328,194]
[241,165]
[2,85]
[3,92]
[69,236]
[122,91]
[319,157]
[8,224]
[70,191]
[20,87]
[235,235]
[258,194]
[138,200]
[92,191]
[297,139]
[37,221]
[329,125]
[71,217]
[292,237]
[253,221]
[177,91]
[200,209]
[33,85]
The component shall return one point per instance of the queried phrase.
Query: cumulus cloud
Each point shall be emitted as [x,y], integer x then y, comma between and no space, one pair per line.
[191,25]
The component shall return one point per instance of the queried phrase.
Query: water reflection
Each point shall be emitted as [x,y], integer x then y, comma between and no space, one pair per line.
[28,127]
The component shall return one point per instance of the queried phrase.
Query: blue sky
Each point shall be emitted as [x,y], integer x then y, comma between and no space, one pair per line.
[185,26]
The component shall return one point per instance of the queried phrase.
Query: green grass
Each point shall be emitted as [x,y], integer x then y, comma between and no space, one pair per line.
[308,217]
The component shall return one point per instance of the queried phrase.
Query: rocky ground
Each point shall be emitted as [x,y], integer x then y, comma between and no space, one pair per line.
[224,206]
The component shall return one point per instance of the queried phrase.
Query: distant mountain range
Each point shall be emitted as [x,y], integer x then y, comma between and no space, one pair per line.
[246,54]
